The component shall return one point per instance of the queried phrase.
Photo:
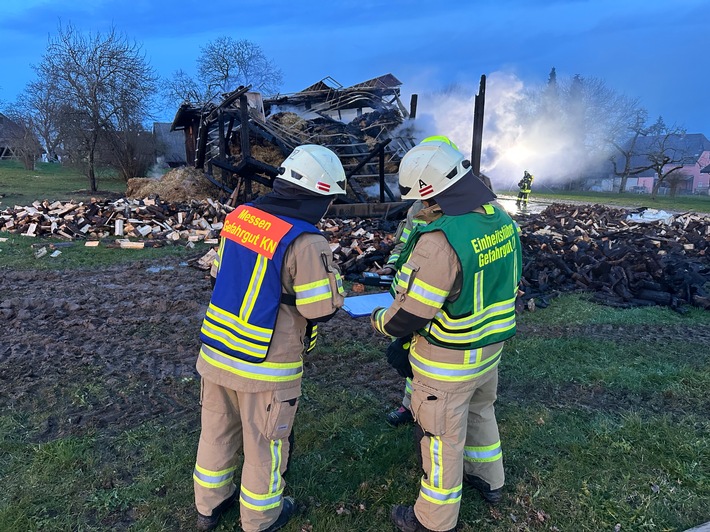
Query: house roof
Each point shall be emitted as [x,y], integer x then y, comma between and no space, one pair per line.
[328,95]
[169,144]
[388,81]
[705,170]
[9,131]
[686,149]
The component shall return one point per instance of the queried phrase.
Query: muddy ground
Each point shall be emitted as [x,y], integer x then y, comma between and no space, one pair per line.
[112,348]
[134,330]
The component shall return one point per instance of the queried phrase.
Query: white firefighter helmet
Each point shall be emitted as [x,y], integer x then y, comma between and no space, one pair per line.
[314,168]
[440,138]
[430,168]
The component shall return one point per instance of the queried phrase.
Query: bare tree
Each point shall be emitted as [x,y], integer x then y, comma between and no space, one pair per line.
[40,103]
[182,88]
[131,150]
[100,80]
[665,151]
[223,65]
[636,125]
[226,63]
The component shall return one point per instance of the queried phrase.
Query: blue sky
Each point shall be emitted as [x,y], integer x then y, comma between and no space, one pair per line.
[655,50]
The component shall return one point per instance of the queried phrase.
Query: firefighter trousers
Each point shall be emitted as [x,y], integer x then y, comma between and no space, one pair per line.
[258,424]
[407,398]
[459,435]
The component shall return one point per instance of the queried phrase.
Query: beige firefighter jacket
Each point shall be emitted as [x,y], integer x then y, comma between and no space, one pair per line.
[303,265]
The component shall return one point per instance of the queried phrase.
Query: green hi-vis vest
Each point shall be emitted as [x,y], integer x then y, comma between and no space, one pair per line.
[488,247]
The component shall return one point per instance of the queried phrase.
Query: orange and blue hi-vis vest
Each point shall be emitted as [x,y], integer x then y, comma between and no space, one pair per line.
[245,302]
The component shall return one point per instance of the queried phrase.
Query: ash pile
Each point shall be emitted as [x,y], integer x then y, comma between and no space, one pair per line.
[624,262]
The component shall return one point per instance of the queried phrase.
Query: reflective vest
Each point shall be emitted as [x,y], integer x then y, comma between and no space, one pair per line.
[488,248]
[245,302]
[525,184]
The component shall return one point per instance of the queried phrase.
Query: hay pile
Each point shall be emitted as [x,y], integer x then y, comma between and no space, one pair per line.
[178,184]
[268,153]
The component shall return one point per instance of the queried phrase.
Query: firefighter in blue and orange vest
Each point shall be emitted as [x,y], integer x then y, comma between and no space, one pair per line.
[454,294]
[275,280]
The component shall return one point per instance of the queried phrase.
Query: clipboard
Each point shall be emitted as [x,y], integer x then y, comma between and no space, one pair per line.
[358,306]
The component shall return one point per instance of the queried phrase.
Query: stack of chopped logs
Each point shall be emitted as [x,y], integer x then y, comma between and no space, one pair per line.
[150,220]
[565,248]
[597,249]
[359,244]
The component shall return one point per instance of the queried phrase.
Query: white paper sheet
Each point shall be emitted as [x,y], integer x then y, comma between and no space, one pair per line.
[358,306]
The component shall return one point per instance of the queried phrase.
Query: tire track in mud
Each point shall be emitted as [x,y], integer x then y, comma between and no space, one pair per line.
[106,349]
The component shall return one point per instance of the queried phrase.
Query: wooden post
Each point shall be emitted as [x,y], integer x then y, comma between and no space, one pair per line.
[477,140]
[382,175]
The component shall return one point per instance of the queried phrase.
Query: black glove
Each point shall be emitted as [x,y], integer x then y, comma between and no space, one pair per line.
[398,356]
[311,335]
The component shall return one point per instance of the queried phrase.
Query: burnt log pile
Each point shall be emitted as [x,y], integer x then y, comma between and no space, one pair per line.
[359,244]
[595,248]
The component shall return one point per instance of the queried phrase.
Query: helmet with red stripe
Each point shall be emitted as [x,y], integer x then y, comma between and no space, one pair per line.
[430,168]
[314,168]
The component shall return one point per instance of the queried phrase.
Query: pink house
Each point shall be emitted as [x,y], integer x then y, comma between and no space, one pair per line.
[691,152]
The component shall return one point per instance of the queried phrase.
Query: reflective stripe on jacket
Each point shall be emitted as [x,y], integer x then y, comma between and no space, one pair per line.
[307,260]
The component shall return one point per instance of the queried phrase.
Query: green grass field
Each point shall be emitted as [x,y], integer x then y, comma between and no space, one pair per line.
[699,204]
[50,181]
[18,252]
[54,182]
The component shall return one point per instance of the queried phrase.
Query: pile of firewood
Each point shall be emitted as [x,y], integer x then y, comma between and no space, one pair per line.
[359,244]
[565,248]
[597,249]
[148,219]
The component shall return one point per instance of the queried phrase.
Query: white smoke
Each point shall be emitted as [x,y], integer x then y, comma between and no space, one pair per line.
[159,168]
[514,139]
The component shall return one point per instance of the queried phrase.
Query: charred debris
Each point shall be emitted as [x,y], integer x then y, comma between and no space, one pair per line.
[240,141]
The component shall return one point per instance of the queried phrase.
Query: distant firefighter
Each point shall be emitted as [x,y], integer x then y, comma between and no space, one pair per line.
[525,186]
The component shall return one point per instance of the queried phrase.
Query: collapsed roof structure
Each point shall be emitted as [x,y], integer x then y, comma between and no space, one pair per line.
[364,124]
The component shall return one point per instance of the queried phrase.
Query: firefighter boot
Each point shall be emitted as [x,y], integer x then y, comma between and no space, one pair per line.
[398,417]
[406,520]
[210,522]
[289,508]
[489,495]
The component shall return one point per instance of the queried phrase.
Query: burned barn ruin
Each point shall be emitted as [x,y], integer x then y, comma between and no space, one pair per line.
[240,141]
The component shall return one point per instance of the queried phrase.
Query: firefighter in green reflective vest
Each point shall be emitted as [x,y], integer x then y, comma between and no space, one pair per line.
[275,278]
[454,291]
[417,215]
